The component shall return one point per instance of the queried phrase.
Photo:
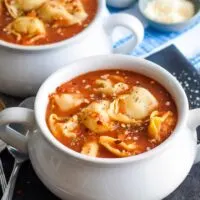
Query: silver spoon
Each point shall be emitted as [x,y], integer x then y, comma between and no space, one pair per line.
[2,175]
[19,159]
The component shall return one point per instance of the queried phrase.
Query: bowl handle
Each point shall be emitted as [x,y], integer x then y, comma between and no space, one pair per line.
[127,21]
[16,115]
[194,122]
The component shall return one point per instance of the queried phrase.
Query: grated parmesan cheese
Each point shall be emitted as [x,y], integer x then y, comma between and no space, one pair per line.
[170,11]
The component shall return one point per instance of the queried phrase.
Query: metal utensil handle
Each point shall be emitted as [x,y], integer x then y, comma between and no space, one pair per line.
[2,177]
[8,194]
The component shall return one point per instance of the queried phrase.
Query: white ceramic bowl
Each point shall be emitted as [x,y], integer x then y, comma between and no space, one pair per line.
[24,68]
[170,27]
[120,3]
[72,176]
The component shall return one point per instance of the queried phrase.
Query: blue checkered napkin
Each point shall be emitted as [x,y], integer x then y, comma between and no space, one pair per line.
[154,39]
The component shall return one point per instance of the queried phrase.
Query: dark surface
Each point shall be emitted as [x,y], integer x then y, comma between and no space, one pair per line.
[29,187]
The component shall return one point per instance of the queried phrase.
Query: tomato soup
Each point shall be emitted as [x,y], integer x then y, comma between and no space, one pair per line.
[111,114]
[39,22]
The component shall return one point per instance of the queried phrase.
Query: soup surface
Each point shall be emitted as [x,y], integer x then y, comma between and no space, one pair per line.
[37,22]
[111,114]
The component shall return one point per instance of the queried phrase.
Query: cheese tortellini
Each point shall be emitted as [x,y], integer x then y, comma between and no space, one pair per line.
[76,9]
[106,86]
[95,117]
[90,149]
[30,27]
[133,107]
[156,122]
[53,11]
[65,127]
[17,7]
[67,102]
[70,12]
[13,8]
[117,147]
[28,5]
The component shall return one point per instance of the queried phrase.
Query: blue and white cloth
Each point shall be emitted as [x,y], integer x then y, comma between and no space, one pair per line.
[187,42]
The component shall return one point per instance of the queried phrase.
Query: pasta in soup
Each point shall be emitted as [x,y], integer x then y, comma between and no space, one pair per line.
[111,114]
[58,20]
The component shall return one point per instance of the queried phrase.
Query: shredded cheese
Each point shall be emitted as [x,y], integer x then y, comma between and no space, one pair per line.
[170,11]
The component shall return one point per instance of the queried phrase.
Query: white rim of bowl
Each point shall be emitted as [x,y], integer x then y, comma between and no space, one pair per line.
[109,161]
[79,36]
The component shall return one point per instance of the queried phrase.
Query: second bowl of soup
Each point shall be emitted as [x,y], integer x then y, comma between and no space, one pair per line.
[39,37]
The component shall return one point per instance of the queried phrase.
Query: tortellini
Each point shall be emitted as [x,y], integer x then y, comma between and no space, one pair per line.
[67,102]
[13,8]
[17,7]
[106,86]
[30,27]
[156,123]
[70,14]
[67,128]
[76,9]
[28,5]
[53,119]
[90,149]
[117,147]
[133,107]
[95,117]
[54,10]
[71,126]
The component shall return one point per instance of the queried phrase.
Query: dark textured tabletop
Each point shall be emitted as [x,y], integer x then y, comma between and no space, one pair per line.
[29,187]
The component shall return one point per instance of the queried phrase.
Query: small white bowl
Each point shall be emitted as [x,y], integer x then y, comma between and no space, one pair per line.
[170,27]
[120,3]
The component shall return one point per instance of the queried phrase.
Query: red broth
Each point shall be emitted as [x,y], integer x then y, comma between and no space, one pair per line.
[52,34]
[125,132]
